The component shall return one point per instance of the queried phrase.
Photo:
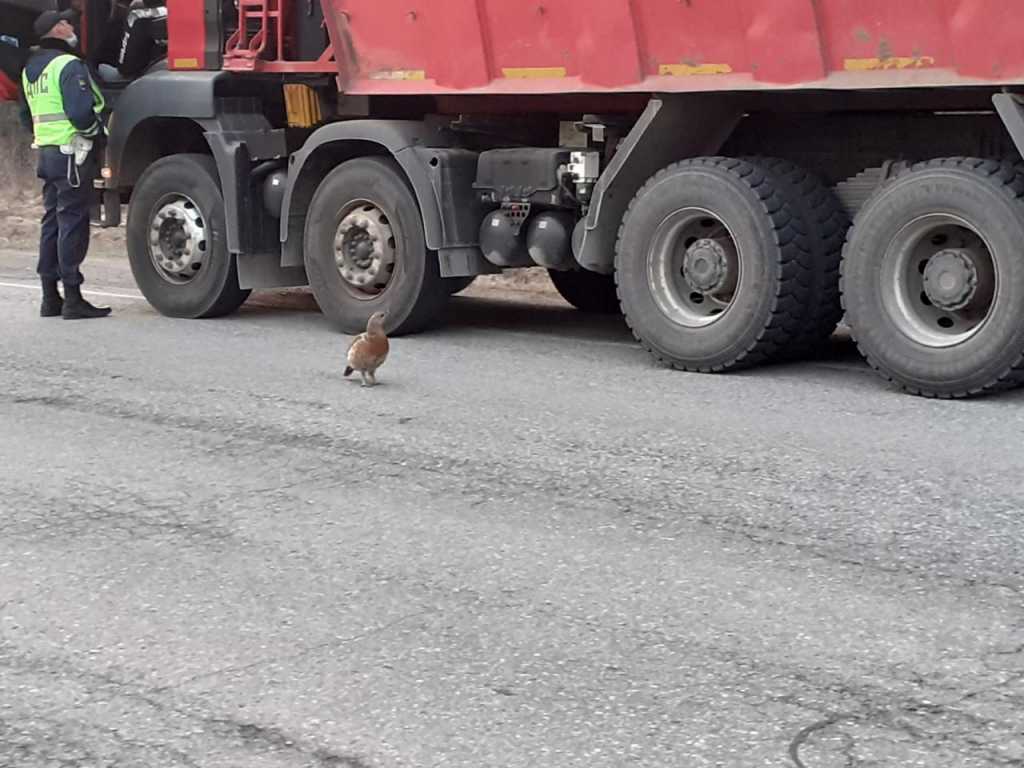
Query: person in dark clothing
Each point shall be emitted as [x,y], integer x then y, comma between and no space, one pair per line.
[13,55]
[66,109]
[140,44]
[12,61]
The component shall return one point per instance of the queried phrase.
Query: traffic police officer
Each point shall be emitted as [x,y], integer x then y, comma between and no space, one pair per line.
[66,109]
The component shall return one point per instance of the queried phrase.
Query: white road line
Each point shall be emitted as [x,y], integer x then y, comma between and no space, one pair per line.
[86,291]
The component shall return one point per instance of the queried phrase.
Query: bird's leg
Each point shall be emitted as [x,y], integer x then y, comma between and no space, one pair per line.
[362,375]
[372,375]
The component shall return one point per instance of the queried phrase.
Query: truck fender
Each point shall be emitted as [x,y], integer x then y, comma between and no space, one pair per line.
[399,138]
[236,134]
[671,128]
[159,94]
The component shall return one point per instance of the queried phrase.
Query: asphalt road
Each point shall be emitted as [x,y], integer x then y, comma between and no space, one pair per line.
[527,547]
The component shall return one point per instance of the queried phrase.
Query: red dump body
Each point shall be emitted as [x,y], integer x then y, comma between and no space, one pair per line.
[556,46]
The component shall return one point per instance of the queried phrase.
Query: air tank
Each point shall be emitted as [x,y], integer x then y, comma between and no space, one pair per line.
[549,240]
[501,243]
[273,192]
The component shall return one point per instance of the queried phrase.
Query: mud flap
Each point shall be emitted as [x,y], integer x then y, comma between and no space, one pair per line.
[108,212]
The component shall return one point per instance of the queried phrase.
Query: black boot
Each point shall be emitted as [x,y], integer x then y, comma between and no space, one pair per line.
[53,304]
[77,308]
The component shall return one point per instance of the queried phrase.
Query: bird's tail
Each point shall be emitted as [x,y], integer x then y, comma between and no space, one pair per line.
[348,370]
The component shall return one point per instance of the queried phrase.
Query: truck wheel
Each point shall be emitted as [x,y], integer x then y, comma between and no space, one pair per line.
[365,250]
[458,284]
[711,269]
[587,291]
[933,282]
[826,223]
[177,240]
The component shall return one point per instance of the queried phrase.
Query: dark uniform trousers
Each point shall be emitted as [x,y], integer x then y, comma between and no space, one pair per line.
[64,239]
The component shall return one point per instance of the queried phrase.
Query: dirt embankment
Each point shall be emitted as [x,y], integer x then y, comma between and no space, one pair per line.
[20,206]
[19,192]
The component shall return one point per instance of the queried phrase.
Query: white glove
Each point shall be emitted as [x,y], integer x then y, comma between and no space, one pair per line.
[81,147]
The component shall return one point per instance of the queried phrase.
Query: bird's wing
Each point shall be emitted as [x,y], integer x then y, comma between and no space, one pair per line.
[354,349]
[368,352]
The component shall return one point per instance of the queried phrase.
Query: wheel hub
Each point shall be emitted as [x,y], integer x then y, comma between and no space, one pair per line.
[706,266]
[938,280]
[177,240]
[694,267]
[364,249]
[951,279]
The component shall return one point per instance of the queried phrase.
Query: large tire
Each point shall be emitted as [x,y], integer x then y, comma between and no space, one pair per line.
[587,291]
[940,234]
[414,293]
[766,258]
[182,191]
[826,224]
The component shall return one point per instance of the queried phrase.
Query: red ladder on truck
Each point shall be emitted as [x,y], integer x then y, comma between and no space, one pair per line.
[260,42]
[260,26]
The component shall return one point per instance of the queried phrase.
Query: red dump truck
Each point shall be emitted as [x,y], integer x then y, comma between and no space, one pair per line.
[732,175]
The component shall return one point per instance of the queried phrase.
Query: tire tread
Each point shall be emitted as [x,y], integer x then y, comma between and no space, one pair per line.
[827,224]
[428,304]
[231,296]
[786,317]
[589,292]
[1007,176]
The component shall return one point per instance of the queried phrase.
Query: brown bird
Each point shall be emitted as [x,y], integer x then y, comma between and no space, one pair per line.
[369,351]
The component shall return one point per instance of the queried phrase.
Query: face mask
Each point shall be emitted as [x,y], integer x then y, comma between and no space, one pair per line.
[72,40]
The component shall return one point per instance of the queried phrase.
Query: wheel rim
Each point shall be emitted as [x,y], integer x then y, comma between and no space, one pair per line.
[365,249]
[694,268]
[939,280]
[178,244]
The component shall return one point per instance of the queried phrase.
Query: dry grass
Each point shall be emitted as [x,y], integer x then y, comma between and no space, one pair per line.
[19,188]
[17,174]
